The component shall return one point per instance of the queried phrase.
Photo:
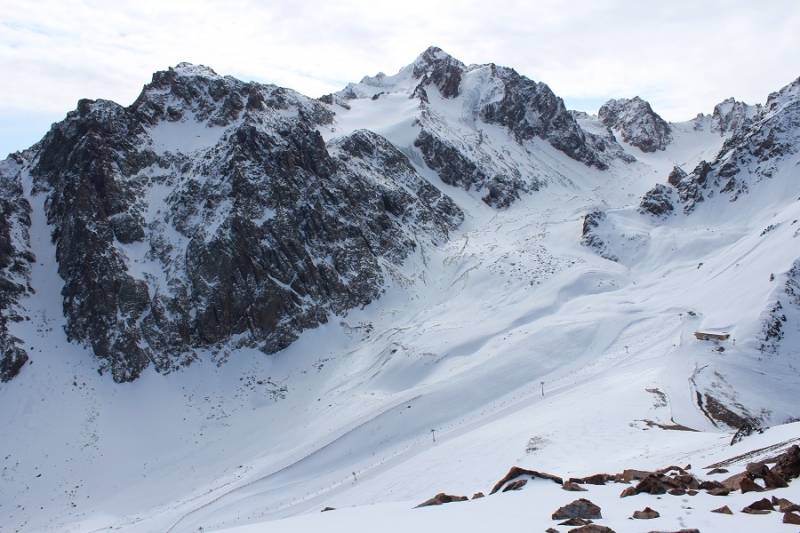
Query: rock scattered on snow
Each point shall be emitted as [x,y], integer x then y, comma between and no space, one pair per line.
[442,498]
[646,514]
[515,485]
[581,508]
[516,472]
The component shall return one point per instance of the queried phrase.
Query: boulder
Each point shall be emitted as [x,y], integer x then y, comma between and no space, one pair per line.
[720,491]
[708,485]
[667,470]
[718,471]
[774,481]
[575,522]
[477,495]
[782,503]
[750,510]
[581,508]
[757,469]
[748,485]
[733,482]
[329,508]
[629,491]
[646,514]
[596,479]
[723,510]
[788,464]
[592,528]
[651,485]
[515,485]
[516,472]
[791,518]
[629,475]
[761,505]
[570,486]
[441,498]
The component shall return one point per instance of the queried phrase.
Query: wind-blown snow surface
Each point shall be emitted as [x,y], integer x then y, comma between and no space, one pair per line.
[511,344]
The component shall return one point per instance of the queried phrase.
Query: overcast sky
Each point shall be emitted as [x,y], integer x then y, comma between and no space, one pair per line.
[681,56]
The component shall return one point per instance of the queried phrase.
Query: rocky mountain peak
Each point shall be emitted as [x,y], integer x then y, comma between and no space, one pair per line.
[788,95]
[197,93]
[638,124]
[730,116]
[432,59]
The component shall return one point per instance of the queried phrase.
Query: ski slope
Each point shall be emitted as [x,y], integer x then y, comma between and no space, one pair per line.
[512,344]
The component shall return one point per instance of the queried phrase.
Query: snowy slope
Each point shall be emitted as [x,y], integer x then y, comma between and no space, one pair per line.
[512,341]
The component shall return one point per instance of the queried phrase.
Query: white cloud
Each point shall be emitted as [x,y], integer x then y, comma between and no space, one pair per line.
[682,56]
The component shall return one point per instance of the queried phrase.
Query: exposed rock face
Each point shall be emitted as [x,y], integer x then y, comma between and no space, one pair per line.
[690,186]
[783,315]
[760,138]
[15,259]
[638,124]
[258,231]
[436,67]
[529,109]
[488,95]
[731,116]
[455,169]
[591,234]
[658,202]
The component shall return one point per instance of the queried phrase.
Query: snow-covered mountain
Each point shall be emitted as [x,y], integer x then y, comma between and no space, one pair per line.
[400,288]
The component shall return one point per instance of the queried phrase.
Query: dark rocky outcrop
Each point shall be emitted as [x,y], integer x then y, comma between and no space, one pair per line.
[657,202]
[722,510]
[529,109]
[731,116]
[638,124]
[590,235]
[15,260]
[263,231]
[760,138]
[456,169]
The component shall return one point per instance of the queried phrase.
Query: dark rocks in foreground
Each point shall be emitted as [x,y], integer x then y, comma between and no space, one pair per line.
[581,508]
[442,498]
